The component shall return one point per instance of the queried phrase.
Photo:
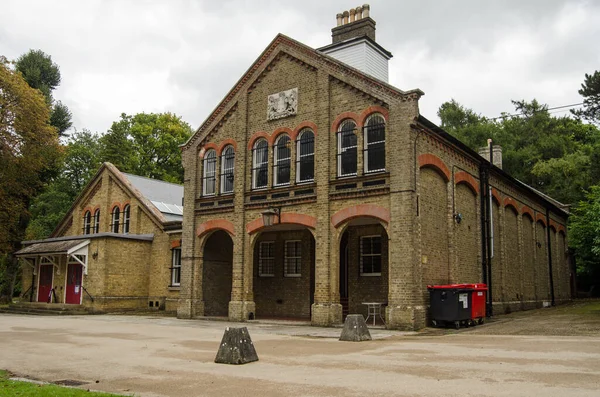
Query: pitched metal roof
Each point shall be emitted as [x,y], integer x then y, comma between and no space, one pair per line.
[165,196]
[51,247]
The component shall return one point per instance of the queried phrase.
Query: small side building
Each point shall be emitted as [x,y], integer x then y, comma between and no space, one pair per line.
[118,247]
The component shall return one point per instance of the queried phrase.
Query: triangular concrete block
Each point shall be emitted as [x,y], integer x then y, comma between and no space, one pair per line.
[236,347]
[355,329]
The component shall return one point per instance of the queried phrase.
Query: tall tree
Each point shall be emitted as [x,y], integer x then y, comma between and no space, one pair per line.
[590,91]
[41,73]
[584,236]
[29,153]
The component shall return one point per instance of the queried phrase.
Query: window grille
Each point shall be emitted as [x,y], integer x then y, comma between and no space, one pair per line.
[374,150]
[347,147]
[266,259]
[292,259]
[176,267]
[282,160]
[97,221]
[126,217]
[305,156]
[260,164]
[227,168]
[209,173]
[370,256]
[87,222]
[116,218]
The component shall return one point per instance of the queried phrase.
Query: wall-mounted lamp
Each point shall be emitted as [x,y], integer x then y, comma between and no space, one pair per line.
[458,217]
[95,255]
[269,216]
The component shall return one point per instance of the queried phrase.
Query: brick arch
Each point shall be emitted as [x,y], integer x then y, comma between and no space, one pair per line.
[280,131]
[207,147]
[368,210]
[541,218]
[511,202]
[344,116]
[496,196]
[373,109]
[175,244]
[433,161]
[226,142]
[285,218]
[115,204]
[553,225]
[302,125]
[467,179]
[215,224]
[256,136]
[561,229]
[528,211]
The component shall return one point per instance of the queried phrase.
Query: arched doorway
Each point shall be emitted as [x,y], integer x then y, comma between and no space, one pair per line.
[284,272]
[217,273]
[364,265]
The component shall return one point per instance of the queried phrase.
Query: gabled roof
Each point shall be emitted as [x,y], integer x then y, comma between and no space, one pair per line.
[160,200]
[315,56]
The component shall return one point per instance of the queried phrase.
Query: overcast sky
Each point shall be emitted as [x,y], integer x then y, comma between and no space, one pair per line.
[184,56]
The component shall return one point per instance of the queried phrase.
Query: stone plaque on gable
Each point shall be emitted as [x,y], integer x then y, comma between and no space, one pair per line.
[282,104]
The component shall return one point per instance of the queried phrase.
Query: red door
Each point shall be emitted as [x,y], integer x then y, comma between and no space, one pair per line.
[46,272]
[74,276]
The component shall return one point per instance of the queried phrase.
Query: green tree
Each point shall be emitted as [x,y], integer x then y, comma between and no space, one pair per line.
[29,154]
[584,236]
[147,144]
[41,73]
[590,91]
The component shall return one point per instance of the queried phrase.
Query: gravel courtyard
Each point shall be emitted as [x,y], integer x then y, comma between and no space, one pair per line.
[549,352]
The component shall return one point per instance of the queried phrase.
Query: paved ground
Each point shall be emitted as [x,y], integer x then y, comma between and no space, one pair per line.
[153,356]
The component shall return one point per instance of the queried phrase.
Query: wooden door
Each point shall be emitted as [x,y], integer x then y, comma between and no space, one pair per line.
[74,278]
[45,283]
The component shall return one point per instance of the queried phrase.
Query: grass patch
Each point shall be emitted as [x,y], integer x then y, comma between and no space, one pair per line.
[27,389]
[587,308]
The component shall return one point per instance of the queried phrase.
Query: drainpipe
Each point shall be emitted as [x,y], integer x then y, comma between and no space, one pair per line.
[483,176]
[550,256]
[489,231]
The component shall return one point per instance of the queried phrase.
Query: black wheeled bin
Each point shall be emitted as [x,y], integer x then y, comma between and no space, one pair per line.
[450,305]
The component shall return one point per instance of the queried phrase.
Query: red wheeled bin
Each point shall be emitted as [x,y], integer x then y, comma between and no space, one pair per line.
[457,304]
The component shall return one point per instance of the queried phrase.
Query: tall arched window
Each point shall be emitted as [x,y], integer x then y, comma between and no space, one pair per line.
[374,150]
[116,217]
[126,217]
[260,164]
[227,168]
[347,147]
[282,161]
[97,221]
[87,222]
[305,156]
[210,173]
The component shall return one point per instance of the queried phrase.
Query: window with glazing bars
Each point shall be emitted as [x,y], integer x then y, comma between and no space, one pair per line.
[209,173]
[176,267]
[292,259]
[282,161]
[370,256]
[347,147]
[227,168]
[266,259]
[260,164]
[87,222]
[305,156]
[374,150]
[116,219]
[97,221]
[126,217]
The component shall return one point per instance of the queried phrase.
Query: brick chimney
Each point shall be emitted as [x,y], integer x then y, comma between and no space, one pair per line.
[496,150]
[353,42]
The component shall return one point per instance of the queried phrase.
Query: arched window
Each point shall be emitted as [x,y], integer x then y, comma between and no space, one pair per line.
[227,168]
[87,222]
[210,173]
[116,217]
[97,221]
[282,161]
[260,164]
[374,150]
[347,146]
[305,156]
[126,217]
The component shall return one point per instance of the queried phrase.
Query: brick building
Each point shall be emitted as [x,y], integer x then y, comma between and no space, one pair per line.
[316,186]
[118,247]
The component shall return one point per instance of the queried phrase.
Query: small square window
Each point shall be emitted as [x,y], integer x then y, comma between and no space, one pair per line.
[370,256]
[292,259]
[266,259]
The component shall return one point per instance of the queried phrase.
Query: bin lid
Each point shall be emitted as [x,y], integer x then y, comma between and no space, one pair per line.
[476,287]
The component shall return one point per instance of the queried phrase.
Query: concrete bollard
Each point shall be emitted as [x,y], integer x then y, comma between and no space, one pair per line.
[355,329]
[236,347]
